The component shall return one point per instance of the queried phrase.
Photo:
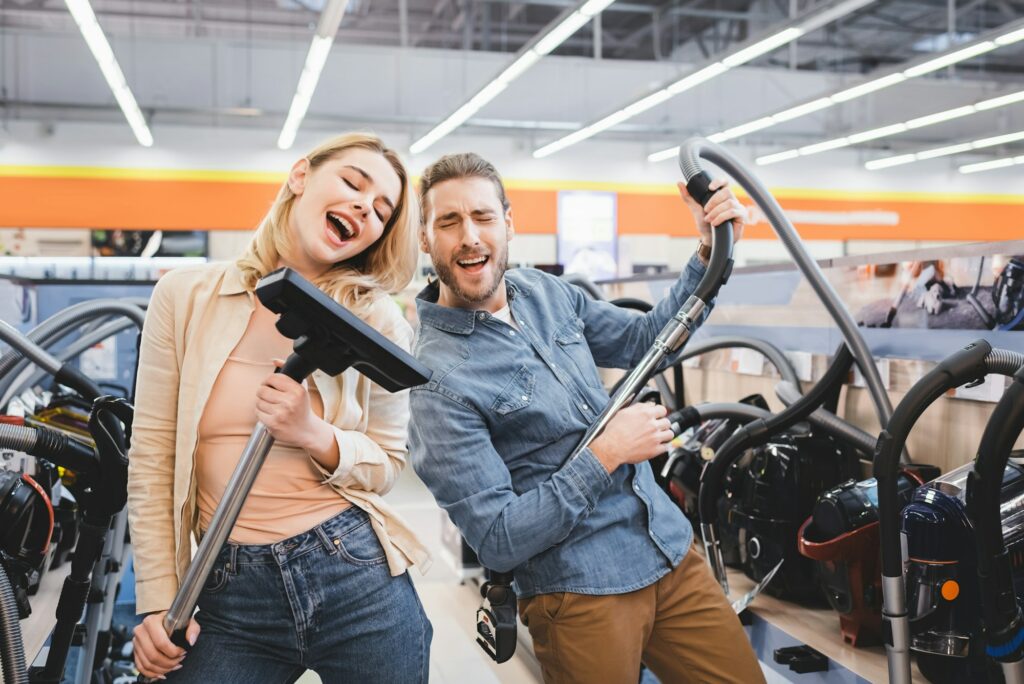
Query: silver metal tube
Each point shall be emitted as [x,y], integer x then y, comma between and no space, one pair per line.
[223,522]
[1013,672]
[672,336]
[713,555]
[894,603]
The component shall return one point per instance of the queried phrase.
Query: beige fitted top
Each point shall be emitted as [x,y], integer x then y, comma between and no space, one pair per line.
[290,495]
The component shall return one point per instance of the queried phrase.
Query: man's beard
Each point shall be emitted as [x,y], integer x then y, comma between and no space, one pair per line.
[498,261]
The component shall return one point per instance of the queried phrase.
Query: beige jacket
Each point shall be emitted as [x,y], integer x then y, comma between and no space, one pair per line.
[196,317]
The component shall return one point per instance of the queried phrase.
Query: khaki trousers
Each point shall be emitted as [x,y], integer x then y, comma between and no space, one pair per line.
[681,627]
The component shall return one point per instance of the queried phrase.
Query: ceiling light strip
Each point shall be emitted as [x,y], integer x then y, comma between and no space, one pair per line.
[1005,35]
[994,164]
[85,18]
[556,33]
[897,128]
[944,151]
[775,39]
[319,49]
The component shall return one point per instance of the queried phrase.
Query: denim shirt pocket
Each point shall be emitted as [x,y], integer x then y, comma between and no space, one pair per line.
[516,394]
[570,340]
[522,420]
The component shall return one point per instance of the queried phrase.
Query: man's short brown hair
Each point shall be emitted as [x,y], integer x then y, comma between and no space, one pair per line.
[455,166]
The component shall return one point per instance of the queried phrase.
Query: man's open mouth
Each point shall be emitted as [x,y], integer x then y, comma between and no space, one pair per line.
[473,264]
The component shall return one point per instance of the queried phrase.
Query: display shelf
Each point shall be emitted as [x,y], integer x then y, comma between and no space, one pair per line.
[36,628]
[815,627]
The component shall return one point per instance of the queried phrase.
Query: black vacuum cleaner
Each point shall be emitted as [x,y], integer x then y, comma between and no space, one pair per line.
[969,365]
[999,535]
[103,497]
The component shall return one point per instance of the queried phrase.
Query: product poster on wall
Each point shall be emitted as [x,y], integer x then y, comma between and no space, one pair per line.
[587,233]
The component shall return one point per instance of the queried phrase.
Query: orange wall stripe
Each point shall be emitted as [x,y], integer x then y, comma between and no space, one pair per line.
[133,204]
[56,197]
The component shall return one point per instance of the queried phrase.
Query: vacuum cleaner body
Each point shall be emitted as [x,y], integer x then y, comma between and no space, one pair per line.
[841,537]
[941,571]
[775,495]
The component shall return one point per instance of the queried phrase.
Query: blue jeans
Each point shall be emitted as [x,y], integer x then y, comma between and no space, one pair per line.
[322,600]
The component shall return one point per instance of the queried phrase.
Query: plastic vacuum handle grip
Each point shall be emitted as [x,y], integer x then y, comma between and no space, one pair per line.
[296,368]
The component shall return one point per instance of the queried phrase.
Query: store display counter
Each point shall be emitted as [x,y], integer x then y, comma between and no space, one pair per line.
[779,624]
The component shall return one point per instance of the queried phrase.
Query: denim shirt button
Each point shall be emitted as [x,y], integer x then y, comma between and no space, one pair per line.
[481,315]
[512,333]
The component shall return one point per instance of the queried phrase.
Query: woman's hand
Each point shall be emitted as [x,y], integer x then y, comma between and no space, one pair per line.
[283,406]
[722,206]
[155,654]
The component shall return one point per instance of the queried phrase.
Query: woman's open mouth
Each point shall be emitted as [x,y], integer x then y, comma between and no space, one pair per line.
[340,229]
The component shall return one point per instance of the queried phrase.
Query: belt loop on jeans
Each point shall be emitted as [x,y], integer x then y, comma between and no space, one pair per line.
[328,543]
[232,568]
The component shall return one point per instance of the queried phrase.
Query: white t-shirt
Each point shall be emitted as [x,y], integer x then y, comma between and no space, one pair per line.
[505,315]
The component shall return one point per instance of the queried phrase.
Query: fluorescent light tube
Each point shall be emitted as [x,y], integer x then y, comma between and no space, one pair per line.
[592,8]
[801,110]
[81,11]
[950,59]
[561,33]
[319,49]
[869,87]
[876,133]
[777,157]
[1001,101]
[998,140]
[939,117]
[885,163]
[759,48]
[994,164]
[743,129]
[1010,38]
[663,155]
[825,146]
[697,77]
[944,151]
[652,100]
[545,45]
[837,12]
[516,68]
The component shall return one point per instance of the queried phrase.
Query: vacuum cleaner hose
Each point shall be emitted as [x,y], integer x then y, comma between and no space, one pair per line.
[12,648]
[692,416]
[769,351]
[1003,361]
[690,153]
[828,422]
[62,323]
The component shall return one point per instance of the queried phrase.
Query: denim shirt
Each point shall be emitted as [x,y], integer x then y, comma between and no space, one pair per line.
[493,429]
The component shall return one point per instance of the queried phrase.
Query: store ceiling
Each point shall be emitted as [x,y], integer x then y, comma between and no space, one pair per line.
[235,62]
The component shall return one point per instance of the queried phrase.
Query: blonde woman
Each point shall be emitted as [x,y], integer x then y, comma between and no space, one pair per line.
[314,573]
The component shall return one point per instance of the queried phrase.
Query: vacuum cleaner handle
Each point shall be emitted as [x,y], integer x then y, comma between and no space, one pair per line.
[1002,618]
[176,619]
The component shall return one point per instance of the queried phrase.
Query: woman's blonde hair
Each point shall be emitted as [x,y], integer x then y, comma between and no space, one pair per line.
[385,266]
